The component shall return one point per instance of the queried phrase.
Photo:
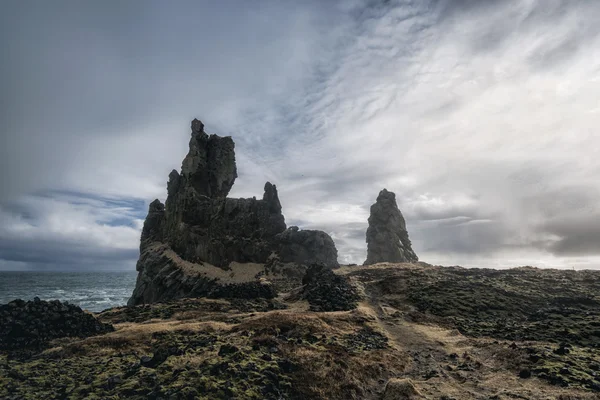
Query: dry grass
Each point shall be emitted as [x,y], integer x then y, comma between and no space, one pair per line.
[304,323]
[237,273]
[332,373]
[401,389]
[326,371]
[330,358]
[132,337]
[276,321]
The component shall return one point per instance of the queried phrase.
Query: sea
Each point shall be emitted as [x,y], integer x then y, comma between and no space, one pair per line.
[92,291]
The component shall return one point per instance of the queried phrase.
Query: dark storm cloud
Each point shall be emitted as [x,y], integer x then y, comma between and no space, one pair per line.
[78,70]
[68,230]
[578,236]
[59,254]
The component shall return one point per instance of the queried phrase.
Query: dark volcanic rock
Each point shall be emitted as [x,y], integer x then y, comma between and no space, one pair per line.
[222,230]
[306,247]
[199,227]
[245,290]
[162,276]
[31,324]
[154,222]
[209,166]
[166,277]
[387,238]
[326,291]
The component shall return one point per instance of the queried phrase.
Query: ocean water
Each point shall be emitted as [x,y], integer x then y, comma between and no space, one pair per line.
[93,291]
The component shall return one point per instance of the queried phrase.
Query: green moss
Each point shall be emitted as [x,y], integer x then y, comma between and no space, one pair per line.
[244,372]
[571,366]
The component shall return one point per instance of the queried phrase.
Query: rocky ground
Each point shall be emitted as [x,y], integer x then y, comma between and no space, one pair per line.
[27,326]
[424,332]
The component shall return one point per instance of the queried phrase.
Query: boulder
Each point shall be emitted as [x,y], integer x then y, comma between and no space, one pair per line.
[401,389]
[326,291]
[387,237]
[306,247]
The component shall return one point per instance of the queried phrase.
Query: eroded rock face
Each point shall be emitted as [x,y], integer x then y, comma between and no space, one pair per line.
[209,166]
[221,230]
[199,224]
[387,237]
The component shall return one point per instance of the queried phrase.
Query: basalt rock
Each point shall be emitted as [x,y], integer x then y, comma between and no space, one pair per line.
[387,237]
[200,228]
[326,291]
[306,247]
[209,166]
[32,324]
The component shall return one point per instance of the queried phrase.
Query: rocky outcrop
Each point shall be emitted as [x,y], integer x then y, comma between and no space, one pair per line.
[326,291]
[209,166]
[306,247]
[387,237]
[200,228]
[32,324]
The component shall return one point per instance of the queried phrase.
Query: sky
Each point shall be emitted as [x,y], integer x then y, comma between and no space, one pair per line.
[482,117]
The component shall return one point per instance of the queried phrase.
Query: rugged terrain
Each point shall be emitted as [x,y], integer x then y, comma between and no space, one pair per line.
[230,303]
[413,331]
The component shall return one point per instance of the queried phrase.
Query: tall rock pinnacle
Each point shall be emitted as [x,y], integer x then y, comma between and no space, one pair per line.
[199,225]
[210,163]
[387,238]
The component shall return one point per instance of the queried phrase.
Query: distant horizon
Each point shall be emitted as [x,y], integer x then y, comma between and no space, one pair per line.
[70,271]
[133,271]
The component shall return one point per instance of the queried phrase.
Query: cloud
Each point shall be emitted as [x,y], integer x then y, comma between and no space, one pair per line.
[480,116]
[70,231]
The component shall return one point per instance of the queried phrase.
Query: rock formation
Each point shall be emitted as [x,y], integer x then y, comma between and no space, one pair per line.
[326,291]
[32,324]
[387,238]
[306,247]
[199,228]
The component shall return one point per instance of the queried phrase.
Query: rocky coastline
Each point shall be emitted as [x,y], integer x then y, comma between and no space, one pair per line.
[230,303]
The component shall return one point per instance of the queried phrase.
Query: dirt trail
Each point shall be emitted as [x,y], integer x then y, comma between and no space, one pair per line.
[446,365]
[428,348]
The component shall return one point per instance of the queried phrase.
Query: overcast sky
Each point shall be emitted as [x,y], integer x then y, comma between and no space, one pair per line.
[482,117]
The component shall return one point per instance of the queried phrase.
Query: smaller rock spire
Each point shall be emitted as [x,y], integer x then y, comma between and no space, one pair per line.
[387,237]
[210,163]
[272,198]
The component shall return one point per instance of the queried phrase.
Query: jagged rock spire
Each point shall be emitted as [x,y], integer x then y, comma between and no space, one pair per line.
[387,237]
[210,163]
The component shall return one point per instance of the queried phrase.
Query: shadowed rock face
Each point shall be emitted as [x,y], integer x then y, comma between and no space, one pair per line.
[199,224]
[209,166]
[306,247]
[387,238]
